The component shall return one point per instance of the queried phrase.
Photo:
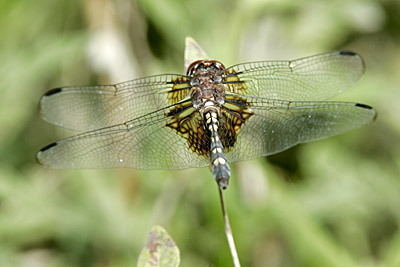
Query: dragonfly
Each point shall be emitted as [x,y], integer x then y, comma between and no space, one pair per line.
[209,116]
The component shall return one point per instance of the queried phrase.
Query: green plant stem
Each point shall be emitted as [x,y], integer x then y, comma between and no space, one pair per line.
[228,231]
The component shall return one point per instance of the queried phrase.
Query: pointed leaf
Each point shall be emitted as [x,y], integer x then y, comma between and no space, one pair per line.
[193,52]
[160,250]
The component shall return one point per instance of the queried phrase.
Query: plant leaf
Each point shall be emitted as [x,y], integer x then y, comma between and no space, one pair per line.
[160,250]
[193,52]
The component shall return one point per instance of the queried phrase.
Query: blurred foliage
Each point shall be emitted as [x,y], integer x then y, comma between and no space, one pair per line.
[333,202]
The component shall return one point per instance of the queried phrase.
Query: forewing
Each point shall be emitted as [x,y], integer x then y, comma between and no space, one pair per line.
[86,108]
[312,78]
[278,125]
[143,143]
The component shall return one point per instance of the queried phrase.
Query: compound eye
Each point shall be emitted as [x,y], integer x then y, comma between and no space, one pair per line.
[189,72]
[195,67]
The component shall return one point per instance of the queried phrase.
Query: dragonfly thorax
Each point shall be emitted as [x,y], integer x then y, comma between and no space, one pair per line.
[206,83]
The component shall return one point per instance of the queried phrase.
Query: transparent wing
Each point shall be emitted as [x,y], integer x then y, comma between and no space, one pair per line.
[142,143]
[312,78]
[278,125]
[86,108]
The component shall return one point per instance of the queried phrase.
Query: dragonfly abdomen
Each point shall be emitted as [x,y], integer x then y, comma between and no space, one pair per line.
[219,163]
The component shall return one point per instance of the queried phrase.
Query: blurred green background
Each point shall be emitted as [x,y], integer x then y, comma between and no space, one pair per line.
[334,202]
